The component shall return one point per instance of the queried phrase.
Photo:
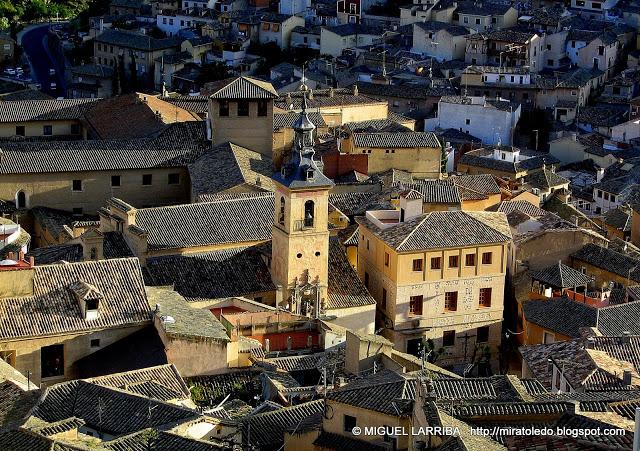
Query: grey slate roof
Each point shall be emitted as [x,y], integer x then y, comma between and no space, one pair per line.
[286,120]
[122,412]
[177,146]
[345,288]
[509,206]
[160,441]
[350,29]
[53,309]
[616,319]
[560,315]
[609,260]
[396,140]
[444,229]
[619,219]
[433,26]
[560,275]
[44,110]
[137,41]
[243,88]
[246,219]
[545,179]
[212,275]
[267,429]
[114,247]
[481,159]
[385,392]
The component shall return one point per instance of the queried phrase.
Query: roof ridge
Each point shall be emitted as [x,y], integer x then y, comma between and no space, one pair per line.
[414,230]
[471,215]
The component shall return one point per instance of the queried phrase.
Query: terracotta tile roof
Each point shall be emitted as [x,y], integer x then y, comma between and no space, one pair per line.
[345,288]
[112,118]
[161,441]
[560,315]
[560,275]
[124,302]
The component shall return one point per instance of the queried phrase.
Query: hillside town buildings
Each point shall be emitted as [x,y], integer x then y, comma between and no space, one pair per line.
[310,226]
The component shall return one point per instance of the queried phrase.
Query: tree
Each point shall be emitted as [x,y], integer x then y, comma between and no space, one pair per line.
[213,72]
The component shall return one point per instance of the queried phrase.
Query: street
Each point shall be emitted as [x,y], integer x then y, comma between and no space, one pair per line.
[34,43]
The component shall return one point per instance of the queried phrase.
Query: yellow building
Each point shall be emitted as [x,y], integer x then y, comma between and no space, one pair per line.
[241,111]
[436,276]
[419,153]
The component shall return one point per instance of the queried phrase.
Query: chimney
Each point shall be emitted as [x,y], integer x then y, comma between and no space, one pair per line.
[92,242]
[625,339]
[355,90]
[331,93]
[599,175]
[410,205]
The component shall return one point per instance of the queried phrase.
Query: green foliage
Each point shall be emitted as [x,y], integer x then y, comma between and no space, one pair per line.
[430,349]
[213,72]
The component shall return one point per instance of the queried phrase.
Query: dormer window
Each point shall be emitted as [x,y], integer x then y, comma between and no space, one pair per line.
[88,298]
[310,174]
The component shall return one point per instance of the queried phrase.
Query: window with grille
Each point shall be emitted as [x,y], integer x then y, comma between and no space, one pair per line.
[485,297]
[451,301]
[417,264]
[453,261]
[415,305]
[470,260]
[487,258]
[435,263]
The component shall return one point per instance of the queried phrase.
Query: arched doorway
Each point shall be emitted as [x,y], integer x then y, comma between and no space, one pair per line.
[21,199]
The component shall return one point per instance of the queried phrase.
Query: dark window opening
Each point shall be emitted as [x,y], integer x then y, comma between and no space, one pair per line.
[52,361]
[20,130]
[449,338]
[486,258]
[147,179]
[243,108]
[47,130]
[485,297]
[308,213]
[417,264]
[76,185]
[115,180]
[21,200]
[349,423]
[224,108]
[174,178]
[281,214]
[482,334]
[415,305]
[451,301]
[262,108]
[436,263]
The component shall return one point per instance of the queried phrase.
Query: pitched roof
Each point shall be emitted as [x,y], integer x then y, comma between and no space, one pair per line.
[396,140]
[235,220]
[509,206]
[286,120]
[338,442]
[444,229]
[454,30]
[228,166]
[560,275]
[560,315]
[212,275]
[112,118]
[114,247]
[615,320]
[120,413]
[53,308]
[609,260]
[137,41]
[267,429]
[545,179]
[160,441]
[243,88]
[345,288]
[45,110]
[177,146]
[385,392]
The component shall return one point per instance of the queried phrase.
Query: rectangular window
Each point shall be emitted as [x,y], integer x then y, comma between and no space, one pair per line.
[486,258]
[47,130]
[95,343]
[366,279]
[435,263]
[417,264]
[224,108]
[449,338]
[451,301]
[482,334]
[52,361]
[115,181]
[606,196]
[76,185]
[415,305]
[75,129]
[262,108]
[243,108]
[147,179]
[384,299]
[485,297]
[349,423]
[470,260]
[613,198]
[467,121]
[386,259]
[453,261]
[20,131]
[174,178]
[77,211]
[599,193]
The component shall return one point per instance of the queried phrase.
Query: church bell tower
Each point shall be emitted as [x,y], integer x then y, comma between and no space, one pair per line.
[300,245]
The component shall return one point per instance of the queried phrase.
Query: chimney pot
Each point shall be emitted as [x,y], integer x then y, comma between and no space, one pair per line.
[32,261]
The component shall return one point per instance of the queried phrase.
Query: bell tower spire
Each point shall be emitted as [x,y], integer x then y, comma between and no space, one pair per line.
[300,245]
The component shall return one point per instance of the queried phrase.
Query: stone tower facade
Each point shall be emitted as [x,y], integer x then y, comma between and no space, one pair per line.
[300,246]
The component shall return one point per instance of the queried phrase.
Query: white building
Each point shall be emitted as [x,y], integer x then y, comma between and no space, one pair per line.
[293,7]
[439,40]
[491,120]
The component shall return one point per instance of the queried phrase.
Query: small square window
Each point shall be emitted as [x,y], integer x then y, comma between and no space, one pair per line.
[174,178]
[415,305]
[485,297]
[349,423]
[77,211]
[470,260]
[386,259]
[115,181]
[487,257]
[436,263]
[417,264]
[482,334]
[451,301]
[75,129]
[95,343]
[76,185]
[20,130]
[453,261]
[47,130]
[147,179]
[449,338]
[467,121]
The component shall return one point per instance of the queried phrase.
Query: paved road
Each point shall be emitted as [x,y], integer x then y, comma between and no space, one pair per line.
[34,43]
